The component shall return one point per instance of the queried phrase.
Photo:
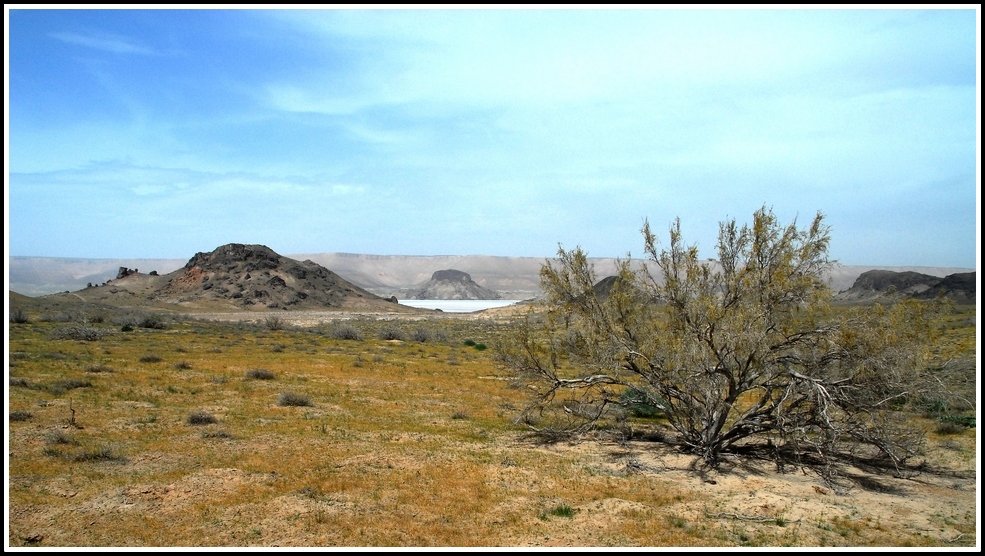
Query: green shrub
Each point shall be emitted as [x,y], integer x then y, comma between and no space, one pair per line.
[641,403]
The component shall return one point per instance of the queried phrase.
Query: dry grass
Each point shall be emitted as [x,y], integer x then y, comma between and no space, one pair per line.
[414,446]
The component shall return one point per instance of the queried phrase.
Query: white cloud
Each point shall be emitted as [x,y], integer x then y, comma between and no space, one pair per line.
[106,43]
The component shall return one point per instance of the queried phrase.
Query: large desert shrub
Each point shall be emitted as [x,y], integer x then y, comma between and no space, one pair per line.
[742,350]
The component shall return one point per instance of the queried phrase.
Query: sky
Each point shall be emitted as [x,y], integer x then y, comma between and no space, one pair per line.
[159,133]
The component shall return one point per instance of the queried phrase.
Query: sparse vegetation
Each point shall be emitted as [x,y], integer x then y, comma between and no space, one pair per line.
[417,446]
[150,358]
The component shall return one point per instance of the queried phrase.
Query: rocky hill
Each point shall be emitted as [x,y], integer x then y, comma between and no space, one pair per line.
[451,284]
[254,276]
[235,277]
[875,285]
[960,287]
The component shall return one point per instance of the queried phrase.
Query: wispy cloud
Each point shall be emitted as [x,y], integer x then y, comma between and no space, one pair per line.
[106,43]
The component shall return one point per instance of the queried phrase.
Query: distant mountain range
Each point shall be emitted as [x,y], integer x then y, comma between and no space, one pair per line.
[382,275]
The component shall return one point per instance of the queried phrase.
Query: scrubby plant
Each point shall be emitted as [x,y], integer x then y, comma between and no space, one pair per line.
[18,316]
[150,358]
[99,368]
[736,350]
[293,399]
[19,416]
[60,437]
[344,332]
[64,385]
[260,374]
[391,333]
[200,417]
[422,335]
[82,332]
[153,321]
[100,454]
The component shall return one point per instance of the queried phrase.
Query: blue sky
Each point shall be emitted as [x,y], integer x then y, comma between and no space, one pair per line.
[161,133]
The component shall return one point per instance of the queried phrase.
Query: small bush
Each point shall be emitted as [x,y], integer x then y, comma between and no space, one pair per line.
[60,437]
[469,342]
[182,365]
[98,454]
[345,332]
[21,382]
[274,323]
[293,399]
[480,346]
[422,335]
[561,510]
[458,415]
[391,333]
[201,418]
[150,359]
[62,386]
[98,368]
[260,374]
[18,316]
[153,321]
[221,435]
[79,332]
[127,327]
[19,416]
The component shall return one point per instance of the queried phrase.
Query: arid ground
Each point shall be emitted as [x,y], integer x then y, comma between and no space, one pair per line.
[335,430]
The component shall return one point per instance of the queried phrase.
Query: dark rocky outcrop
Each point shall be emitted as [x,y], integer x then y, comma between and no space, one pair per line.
[254,276]
[876,285]
[960,287]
